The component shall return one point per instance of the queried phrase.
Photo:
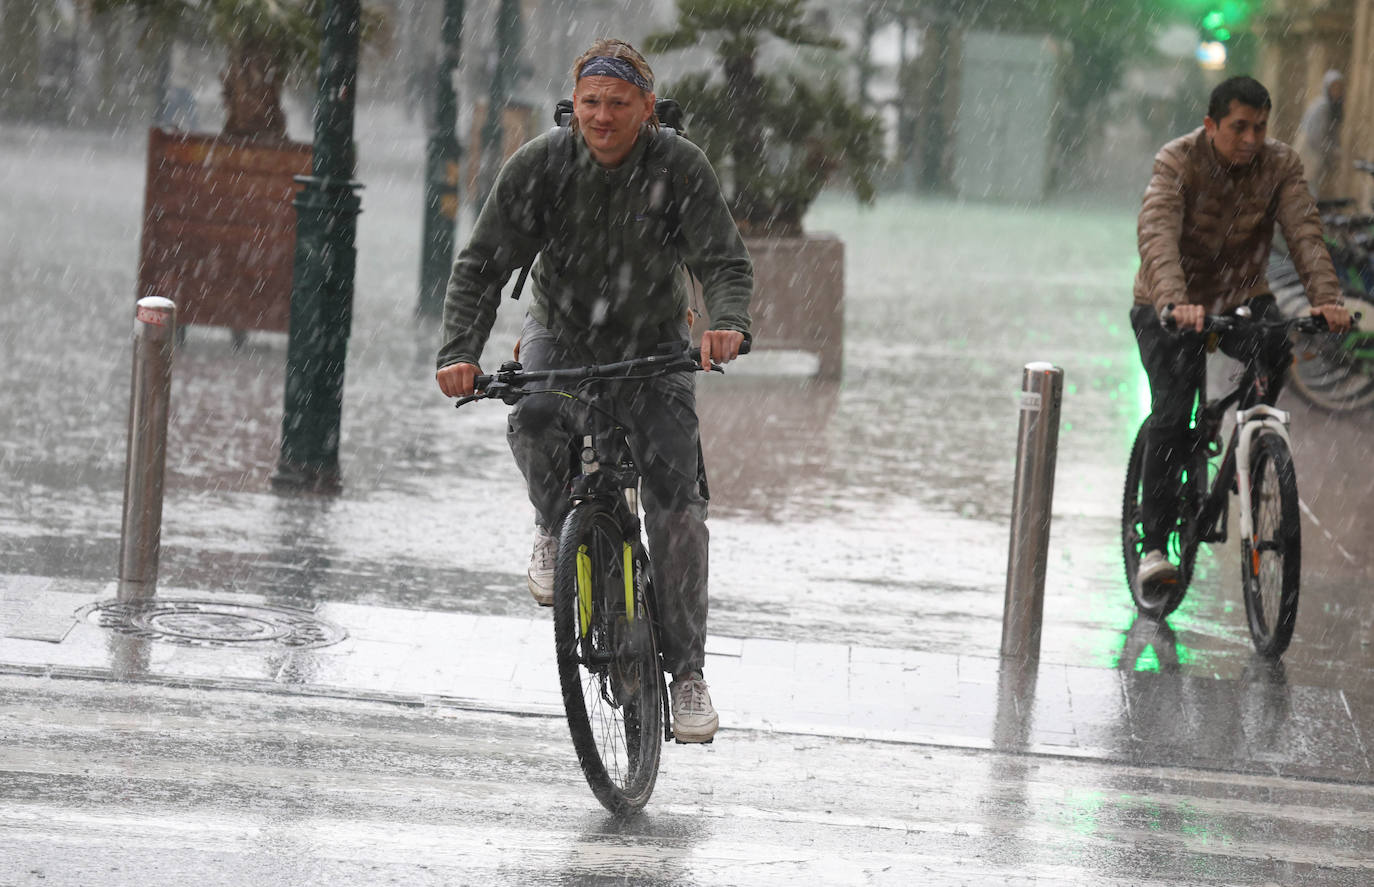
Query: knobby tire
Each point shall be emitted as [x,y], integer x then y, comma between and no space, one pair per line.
[609,674]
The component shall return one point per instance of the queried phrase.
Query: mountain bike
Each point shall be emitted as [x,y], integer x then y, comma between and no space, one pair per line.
[1256,464]
[606,644]
[1334,371]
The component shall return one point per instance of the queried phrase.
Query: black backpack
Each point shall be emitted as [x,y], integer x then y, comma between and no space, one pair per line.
[558,167]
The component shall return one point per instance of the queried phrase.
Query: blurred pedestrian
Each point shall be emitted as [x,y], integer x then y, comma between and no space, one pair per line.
[1318,142]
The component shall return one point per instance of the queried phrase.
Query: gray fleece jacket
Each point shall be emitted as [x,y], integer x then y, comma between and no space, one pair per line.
[609,280]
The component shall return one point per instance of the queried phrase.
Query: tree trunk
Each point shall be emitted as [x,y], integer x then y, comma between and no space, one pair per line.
[252,83]
[18,57]
[743,93]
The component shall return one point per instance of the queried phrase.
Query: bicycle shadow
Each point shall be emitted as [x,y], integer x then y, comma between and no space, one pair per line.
[611,851]
[1176,717]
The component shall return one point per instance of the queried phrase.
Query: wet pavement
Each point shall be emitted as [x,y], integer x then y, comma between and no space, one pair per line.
[381,702]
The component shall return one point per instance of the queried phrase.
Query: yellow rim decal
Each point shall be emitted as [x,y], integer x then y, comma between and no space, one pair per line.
[584,588]
[629,582]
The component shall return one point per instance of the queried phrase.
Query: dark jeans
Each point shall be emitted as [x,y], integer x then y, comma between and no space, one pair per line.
[664,445]
[1176,364]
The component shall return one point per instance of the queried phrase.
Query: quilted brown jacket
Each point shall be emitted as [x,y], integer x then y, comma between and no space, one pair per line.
[1205,229]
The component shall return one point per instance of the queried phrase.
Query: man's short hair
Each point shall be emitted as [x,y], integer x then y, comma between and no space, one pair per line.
[1246,90]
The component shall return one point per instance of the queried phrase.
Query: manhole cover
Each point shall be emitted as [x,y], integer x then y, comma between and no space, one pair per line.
[214,624]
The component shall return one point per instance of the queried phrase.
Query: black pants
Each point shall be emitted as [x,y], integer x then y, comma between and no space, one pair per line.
[1176,364]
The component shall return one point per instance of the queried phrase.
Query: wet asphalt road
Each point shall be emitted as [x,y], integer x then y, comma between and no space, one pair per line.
[132,785]
[873,512]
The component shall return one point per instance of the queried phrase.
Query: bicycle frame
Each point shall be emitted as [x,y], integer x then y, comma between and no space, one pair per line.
[1210,524]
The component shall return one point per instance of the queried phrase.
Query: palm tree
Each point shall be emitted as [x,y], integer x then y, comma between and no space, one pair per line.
[266,41]
[781,139]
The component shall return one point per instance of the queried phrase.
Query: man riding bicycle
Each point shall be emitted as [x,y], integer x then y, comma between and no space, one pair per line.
[631,207]
[1206,225]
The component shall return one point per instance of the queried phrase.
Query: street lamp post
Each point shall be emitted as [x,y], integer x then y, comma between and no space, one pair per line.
[505,71]
[441,170]
[322,286]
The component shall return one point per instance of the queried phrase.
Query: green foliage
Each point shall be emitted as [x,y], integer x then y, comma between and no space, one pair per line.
[286,30]
[782,138]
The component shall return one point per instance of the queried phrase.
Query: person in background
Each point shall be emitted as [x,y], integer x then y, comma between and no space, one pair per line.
[1318,141]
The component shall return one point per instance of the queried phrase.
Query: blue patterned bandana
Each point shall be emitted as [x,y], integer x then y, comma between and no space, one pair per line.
[605,66]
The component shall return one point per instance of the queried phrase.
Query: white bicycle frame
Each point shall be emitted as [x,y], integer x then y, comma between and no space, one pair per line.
[1251,423]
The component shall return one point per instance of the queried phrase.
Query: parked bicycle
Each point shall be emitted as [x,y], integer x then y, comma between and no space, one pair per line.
[605,632]
[1334,371]
[1257,465]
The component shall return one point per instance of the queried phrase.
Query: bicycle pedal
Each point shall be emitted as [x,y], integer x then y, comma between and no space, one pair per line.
[704,742]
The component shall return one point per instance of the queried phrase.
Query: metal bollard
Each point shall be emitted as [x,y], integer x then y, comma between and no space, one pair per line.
[141,534]
[1037,443]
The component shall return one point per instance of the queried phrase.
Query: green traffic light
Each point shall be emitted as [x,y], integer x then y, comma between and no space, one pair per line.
[1214,19]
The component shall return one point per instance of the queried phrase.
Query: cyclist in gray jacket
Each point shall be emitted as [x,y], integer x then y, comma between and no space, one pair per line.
[613,225]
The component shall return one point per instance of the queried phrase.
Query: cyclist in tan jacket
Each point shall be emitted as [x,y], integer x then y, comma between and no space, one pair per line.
[1206,224]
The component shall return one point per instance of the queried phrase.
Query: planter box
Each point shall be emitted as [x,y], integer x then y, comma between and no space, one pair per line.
[799,297]
[219,228]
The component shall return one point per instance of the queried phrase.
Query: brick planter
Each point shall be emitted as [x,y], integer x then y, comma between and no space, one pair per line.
[219,228]
[799,296]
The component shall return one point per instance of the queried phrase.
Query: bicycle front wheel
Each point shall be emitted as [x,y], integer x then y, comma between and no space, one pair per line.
[1157,599]
[608,665]
[1271,556]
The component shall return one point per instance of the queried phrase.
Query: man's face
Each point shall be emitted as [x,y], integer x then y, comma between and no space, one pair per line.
[610,112]
[1238,136]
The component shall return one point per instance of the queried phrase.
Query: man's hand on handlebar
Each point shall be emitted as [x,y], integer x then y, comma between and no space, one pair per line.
[1337,318]
[1189,317]
[455,380]
[721,346]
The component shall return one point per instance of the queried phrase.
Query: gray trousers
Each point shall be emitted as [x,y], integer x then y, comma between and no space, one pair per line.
[664,443]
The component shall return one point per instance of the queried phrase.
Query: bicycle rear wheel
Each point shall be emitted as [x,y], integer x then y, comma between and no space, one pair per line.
[1157,599]
[1335,371]
[608,665]
[1331,371]
[1271,556]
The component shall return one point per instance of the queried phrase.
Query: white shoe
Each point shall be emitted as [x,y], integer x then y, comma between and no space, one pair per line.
[1155,567]
[694,718]
[542,561]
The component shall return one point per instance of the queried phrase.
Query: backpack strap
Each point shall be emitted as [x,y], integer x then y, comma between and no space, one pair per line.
[558,167]
[558,164]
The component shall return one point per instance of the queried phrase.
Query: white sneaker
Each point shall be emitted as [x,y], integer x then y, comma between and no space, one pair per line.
[694,718]
[1155,567]
[542,561]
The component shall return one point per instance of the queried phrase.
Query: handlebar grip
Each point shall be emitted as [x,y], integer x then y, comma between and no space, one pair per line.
[480,382]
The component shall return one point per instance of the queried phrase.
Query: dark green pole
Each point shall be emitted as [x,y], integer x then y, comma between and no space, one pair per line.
[322,287]
[441,171]
[505,71]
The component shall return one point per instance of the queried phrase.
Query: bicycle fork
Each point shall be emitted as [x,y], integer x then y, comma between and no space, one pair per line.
[1252,422]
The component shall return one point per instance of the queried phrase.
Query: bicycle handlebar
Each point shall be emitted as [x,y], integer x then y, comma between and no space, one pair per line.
[507,383]
[1220,323]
